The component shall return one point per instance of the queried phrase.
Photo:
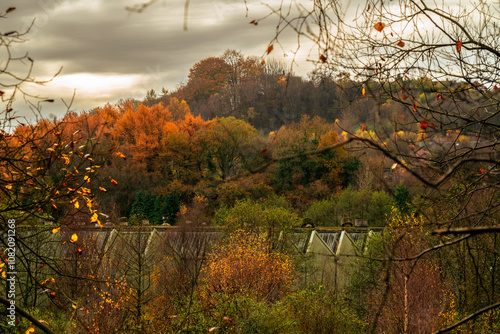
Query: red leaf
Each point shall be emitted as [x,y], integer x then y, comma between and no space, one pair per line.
[401,44]
[433,126]
[481,171]
[270,48]
[459,46]
[379,26]
[439,96]
[414,107]
[424,124]
[264,151]
[404,97]
[363,127]
[496,87]
[1,92]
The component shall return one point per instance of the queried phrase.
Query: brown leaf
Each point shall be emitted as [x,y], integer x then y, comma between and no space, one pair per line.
[401,44]
[254,22]
[270,48]
[322,58]
[379,26]
[11,9]
[263,62]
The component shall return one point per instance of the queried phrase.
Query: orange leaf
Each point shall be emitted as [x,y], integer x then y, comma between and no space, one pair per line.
[213,329]
[101,189]
[55,230]
[404,97]
[363,127]
[121,155]
[401,44]
[74,238]
[363,92]
[379,26]
[54,206]
[424,124]
[11,9]
[80,251]
[263,62]
[113,182]
[270,48]
[481,171]
[439,96]
[414,107]
[459,46]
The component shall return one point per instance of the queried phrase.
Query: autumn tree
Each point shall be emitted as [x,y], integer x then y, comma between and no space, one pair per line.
[244,266]
[227,143]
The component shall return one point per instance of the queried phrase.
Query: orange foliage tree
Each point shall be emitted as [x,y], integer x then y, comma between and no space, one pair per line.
[245,265]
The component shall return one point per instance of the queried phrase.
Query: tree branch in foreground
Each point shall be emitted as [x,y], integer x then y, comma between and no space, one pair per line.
[28,316]
[469,317]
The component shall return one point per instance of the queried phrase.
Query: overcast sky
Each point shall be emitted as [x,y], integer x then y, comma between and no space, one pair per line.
[108,53]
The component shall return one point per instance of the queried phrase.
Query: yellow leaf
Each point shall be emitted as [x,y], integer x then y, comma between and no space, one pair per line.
[77,205]
[30,330]
[74,238]
[55,230]
[9,186]
[4,275]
